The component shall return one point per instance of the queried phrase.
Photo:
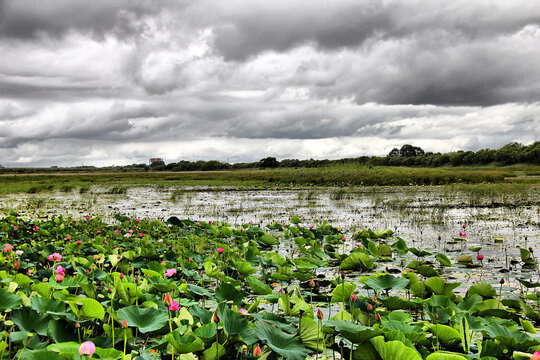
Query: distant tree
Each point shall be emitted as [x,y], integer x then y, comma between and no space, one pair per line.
[408,150]
[268,162]
[395,152]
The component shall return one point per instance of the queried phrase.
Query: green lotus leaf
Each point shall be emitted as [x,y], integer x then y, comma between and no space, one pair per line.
[401,246]
[483,289]
[27,354]
[353,332]
[61,331]
[48,306]
[146,320]
[276,320]
[184,344]
[393,350]
[448,336]
[357,261]
[206,331]
[514,340]
[387,282]
[29,320]
[443,260]
[470,303]
[310,334]
[236,323]
[9,300]
[444,355]
[244,267]
[227,292]
[287,345]
[214,352]
[343,292]
[268,240]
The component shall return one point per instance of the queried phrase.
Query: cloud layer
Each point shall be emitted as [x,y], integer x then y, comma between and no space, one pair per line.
[119,81]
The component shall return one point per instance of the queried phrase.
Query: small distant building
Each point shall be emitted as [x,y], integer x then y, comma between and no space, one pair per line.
[157,162]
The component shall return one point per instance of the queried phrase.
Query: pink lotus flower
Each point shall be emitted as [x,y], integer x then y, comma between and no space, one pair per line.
[138,220]
[7,247]
[15,227]
[18,252]
[96,257]
[56,257]
[311,226]
[141,234]
[170,272]
[160,241]
[87,348]
[243,311]
[124,324]
[462,234]
[128,235]
[283,224]
[116,231]
[99,231]
[175,306]
[220,250]
[87,217]
[480,257]
[79,242]
[59,278]
[536,356]
[197,223]
[251,221]
[343,238]
[60,270]
[68,237]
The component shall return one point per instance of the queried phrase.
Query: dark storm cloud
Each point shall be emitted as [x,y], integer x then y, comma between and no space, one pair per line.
[244,32]
[30,18]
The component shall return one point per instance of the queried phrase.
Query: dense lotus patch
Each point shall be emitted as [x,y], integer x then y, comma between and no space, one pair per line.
[142,289]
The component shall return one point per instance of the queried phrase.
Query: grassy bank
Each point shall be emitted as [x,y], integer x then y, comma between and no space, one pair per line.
[346,175]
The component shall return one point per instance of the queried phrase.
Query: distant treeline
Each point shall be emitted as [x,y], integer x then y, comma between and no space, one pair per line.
[407,155]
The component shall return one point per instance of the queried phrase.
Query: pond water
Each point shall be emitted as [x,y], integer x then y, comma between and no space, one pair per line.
[500,223]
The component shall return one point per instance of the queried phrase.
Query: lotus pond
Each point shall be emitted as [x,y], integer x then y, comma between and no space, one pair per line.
[180,289]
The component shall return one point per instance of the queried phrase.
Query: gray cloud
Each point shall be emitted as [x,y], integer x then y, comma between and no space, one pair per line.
[242,80]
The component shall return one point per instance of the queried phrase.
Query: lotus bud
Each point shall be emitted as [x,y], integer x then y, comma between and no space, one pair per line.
[320,314]
[501,281]
[312,283]
[378,317]
[369,307]
[342,275]
[216,318]
[480,257]
[257,352]
[109,289]
[124,324]
[354,298]
[87,349]
[167,300]
[121,275]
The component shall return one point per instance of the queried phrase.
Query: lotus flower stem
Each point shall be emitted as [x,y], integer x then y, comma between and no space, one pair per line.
[125,342]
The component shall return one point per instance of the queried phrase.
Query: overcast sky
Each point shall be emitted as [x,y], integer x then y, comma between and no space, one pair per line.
[106,82]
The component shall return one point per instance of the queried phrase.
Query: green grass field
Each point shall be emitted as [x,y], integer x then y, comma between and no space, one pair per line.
[345,175]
